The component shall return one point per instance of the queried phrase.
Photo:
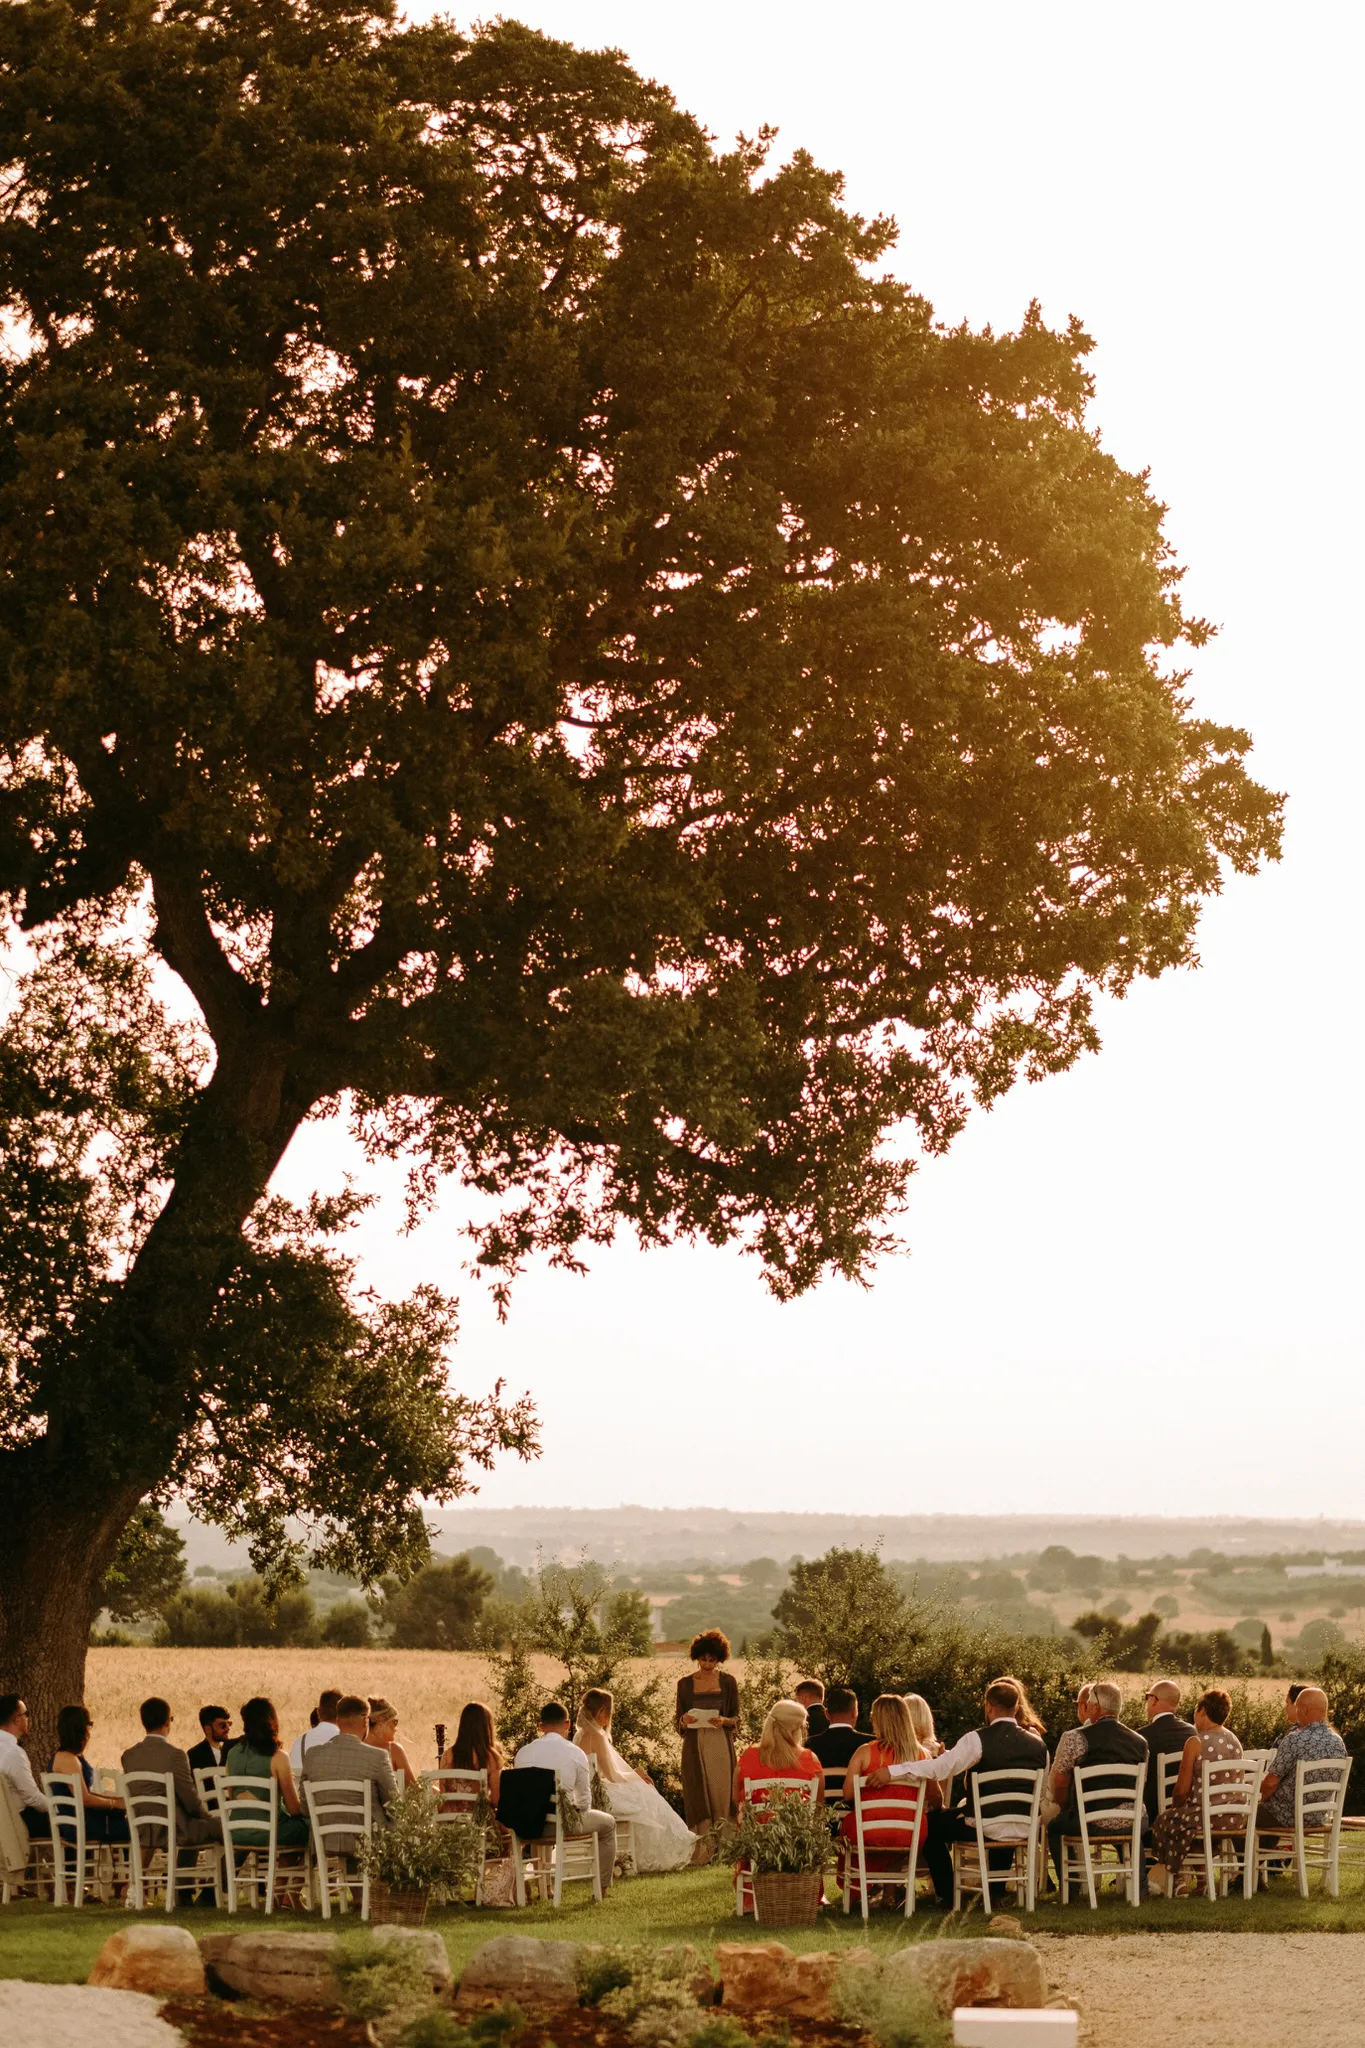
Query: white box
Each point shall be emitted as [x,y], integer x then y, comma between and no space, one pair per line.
[989,2026]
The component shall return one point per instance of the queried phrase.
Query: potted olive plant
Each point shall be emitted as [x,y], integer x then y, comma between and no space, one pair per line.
[784,1843]
[421,1855]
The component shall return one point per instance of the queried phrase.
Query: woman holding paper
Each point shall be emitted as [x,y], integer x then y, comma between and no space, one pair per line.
[708,1714]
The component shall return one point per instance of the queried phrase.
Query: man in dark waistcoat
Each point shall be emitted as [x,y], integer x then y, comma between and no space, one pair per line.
[1107,1741]
[998,1746]
[1167,1732]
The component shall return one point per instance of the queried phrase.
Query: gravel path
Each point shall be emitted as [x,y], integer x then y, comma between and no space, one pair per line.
[81,2016]
[1221,1990]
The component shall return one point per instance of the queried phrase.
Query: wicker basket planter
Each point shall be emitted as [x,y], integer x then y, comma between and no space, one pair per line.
[392,1908]
[788,1898]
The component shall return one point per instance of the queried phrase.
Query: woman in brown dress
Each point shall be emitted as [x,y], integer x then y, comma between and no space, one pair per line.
[708,1714]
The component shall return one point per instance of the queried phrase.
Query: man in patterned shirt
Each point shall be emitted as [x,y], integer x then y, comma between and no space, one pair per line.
[1313,1736]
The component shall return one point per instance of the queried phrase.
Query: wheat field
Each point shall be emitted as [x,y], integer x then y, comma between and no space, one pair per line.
[426,1686]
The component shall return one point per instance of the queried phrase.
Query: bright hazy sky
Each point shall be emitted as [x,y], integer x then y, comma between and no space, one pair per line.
[1135,1287]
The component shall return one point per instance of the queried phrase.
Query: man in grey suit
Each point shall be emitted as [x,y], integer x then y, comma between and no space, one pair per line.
[349,1756]
[156,1752]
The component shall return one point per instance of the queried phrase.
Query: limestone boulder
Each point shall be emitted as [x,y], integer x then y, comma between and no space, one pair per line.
[536,1974]
[164,1961]
[260,1963]
[764,1976]
[425,1943]
[986,1972]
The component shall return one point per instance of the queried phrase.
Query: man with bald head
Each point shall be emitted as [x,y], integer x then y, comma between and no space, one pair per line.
[1312,1736]
[1166,1733]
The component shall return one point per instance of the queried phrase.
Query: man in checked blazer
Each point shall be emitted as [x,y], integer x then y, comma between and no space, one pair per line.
[349,1755]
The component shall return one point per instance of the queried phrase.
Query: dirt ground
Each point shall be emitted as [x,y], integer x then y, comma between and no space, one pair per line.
[1220,1990]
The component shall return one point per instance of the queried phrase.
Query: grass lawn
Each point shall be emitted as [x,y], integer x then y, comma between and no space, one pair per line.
[46,1945]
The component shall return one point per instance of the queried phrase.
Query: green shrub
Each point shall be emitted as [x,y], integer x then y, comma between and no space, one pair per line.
[238,1616]
[785,1833]
[895,2010]
[372,1980]
[420,1851]
[505,2024]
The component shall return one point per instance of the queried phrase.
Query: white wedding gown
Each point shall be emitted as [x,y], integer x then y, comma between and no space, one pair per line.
[663,1841]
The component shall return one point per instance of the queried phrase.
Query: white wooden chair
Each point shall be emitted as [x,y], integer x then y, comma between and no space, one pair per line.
[1314,1841]
[877,1816]
[745,1901]
[339,1809]
[250,1806]
[26,1864]
[553,1860]
[1229,1789]
[149,1801]
[74,1859]
[206,1785]
[1118,1799]
[459,1793]
[1017,1794]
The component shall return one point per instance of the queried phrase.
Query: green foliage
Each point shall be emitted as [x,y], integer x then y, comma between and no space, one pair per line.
[627,1621]
[373,1978]
[500,2028]
[241,1615]
[571,1617]
[765,1679]
[648,1989]
[894,2010]
[148,1568]
[785,1831]
[555,648]
[439,1609]
[347,1626]
[1142,1645]
[843,1619]
[420,1851]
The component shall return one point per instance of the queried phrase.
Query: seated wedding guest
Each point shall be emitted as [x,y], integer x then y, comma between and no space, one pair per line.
[322,1728]
[1104,1740]
[259,1753]
[1167,1733]
[893,1742]
[922,1721]
[780,1752]
[663,1841]
[1070,1749]
[707,1717]
[156,1752]
[383,1733]
[1312,1736]
[105,1820]
[1175,1832]
[15,1766]
[475,1747]
[1291,1704]
[216,1723]
[552,1751]
[347,1755]
[1011,1739]
[810,1694]
[842,1738]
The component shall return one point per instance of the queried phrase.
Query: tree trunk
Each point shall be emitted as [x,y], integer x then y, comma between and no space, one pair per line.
[57,1549]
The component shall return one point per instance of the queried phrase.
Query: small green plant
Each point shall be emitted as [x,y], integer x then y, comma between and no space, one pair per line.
[784,1833]
[895,2010]
[649,1991]
[603,1970]
[499,2028]
[372,1980]
[419,1851]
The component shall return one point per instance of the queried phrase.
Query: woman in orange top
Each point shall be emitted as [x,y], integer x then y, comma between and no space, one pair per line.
[780,1752]
[893,1742]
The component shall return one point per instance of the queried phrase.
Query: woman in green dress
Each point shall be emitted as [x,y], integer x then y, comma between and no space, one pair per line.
[707,1717]
[257,1753]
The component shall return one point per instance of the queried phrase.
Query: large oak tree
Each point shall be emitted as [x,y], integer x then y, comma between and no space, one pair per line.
[561,656]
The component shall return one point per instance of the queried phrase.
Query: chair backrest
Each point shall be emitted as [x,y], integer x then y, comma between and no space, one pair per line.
[1167,1771]
[339,1807]
[246,1804]
[1114,1798]
[1258,1756]
[1228,1791]
[456,1791]
[806,1786]
[1015,1793]
[207,1782]
[149,1797]
[66,1803]
[834,1776]
[1320,1791]
[891,1810]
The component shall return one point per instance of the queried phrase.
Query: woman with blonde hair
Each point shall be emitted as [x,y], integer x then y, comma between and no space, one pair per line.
[894,1741]
[662,1841]
[922,1721]
[780,1752]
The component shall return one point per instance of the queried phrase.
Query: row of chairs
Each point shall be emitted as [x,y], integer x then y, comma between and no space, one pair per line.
[153,1865]
[1109,1802]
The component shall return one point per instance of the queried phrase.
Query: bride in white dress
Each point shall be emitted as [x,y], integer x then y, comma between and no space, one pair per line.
[663,1841]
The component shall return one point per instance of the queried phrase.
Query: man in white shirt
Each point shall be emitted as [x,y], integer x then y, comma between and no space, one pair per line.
[324,1728]
[552,1751]
[15,1766]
